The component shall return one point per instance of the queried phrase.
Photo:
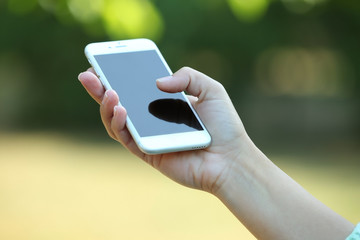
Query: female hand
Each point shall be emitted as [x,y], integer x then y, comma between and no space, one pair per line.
[265,199]
[202,169]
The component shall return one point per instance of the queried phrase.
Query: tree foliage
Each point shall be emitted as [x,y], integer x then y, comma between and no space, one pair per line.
[260,49]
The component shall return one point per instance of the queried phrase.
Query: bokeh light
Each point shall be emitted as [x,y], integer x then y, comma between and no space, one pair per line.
[301,6]
[249,10]
[304,72]
[132,19]
[86,11]
[15,80]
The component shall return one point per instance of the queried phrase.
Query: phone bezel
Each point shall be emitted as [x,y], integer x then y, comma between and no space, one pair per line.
[156,144]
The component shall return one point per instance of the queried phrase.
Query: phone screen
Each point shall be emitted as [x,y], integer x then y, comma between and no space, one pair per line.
[153,112]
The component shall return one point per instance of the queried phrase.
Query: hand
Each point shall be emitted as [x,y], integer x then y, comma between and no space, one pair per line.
[266,200]
[202,169]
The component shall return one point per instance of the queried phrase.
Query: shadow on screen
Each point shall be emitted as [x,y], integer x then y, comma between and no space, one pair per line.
[174,110]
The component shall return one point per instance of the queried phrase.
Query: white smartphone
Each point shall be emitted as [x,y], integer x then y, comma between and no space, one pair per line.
[159,122]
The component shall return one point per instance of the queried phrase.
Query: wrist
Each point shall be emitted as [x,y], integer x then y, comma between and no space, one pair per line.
[245,187]
[244,165]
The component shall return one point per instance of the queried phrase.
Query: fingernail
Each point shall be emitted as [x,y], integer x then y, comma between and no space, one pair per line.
[115,110]
[80,75]
[165,79]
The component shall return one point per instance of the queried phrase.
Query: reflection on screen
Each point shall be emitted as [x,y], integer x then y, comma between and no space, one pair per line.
[133,76]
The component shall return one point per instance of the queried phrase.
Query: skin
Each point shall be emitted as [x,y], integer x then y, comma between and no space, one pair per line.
[266,200]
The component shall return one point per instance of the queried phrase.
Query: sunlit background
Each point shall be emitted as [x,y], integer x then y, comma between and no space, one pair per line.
[291,67]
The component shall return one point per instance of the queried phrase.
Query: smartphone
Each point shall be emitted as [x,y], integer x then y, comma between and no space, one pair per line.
[159,122]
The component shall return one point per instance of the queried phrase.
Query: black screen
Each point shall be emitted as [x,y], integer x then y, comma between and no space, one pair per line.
[153,112]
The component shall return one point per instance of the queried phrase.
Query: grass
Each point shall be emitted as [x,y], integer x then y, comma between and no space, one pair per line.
[56,187]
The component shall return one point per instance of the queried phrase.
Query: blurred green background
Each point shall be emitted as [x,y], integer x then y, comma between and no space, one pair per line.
[291,67]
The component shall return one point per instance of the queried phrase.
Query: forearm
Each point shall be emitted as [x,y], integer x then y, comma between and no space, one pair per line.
[273,206]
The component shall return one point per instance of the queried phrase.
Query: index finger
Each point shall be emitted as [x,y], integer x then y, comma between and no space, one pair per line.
[92,85]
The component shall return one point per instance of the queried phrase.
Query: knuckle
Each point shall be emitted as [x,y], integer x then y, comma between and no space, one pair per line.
[186,69]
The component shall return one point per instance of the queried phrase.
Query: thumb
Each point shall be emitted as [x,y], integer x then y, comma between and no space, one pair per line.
[193,82]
